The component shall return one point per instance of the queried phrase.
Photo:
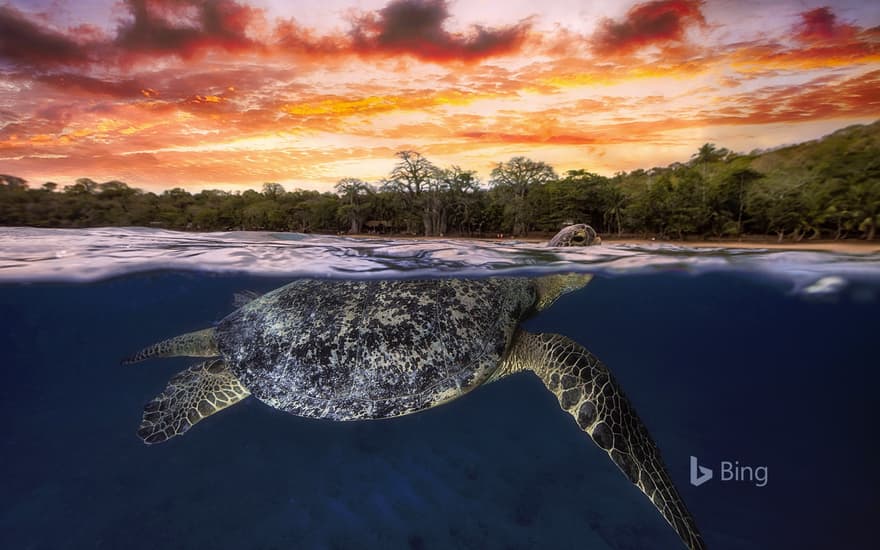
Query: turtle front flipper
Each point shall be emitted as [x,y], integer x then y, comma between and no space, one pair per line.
[190,396]
[587,390]
[200,343]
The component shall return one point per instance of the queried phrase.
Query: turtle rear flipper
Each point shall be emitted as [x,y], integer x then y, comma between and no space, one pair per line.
[586,389]
[200,343]
[190,396]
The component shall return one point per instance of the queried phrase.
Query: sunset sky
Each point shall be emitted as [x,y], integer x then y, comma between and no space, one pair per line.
[229,94]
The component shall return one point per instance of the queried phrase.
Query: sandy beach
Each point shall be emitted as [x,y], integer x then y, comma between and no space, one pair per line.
[848,246]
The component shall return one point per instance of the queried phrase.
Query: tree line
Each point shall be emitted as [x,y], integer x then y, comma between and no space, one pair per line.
[828,188]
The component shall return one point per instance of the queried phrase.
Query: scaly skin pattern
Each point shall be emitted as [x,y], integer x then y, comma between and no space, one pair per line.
[586,389]
[349,350]
[192,344]
[191,395]
[579,234]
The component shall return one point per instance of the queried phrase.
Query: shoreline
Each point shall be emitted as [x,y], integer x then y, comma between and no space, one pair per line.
[849,246]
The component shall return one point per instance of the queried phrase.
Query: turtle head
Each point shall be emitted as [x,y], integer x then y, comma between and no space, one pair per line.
[551,287]
[579,234]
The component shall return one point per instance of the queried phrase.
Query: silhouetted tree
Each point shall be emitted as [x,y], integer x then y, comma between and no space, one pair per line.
[273,190]
[415,180]
[515,179]
[354,207]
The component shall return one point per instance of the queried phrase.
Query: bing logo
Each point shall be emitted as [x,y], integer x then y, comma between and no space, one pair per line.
[730,471]
[699,474]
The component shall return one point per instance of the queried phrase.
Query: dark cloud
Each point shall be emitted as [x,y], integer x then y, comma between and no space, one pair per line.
[185,27]
[189,28]
[821,24]
[415,27]
[96,86]
[151,28]
[661,22]
[24,42]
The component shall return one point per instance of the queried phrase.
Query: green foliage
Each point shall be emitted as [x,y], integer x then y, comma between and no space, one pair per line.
[516,180]
[828,188]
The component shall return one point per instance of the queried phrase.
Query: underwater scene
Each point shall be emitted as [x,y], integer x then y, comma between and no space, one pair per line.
[754,371]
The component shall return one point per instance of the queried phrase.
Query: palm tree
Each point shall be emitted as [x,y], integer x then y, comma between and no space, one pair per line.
[706,154]
[615,207]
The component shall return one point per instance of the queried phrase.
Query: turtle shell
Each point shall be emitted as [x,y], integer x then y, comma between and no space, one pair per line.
[372,349]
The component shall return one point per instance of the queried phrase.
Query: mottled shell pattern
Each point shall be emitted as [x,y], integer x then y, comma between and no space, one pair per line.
[372,349]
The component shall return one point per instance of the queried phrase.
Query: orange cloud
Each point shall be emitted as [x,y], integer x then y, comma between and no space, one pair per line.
[821,98]
[554,139]
[340,106]
[863,49]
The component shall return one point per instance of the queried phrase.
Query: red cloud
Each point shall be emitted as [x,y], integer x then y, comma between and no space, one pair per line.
[659,22]
[415,27]
[293,38]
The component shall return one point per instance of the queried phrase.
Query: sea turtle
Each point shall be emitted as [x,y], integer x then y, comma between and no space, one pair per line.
[579,234]
[366,349]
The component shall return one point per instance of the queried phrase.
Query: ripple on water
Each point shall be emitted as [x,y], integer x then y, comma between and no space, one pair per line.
[84,255]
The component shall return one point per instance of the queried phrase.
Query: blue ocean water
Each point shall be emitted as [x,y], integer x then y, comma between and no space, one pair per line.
[762,358]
